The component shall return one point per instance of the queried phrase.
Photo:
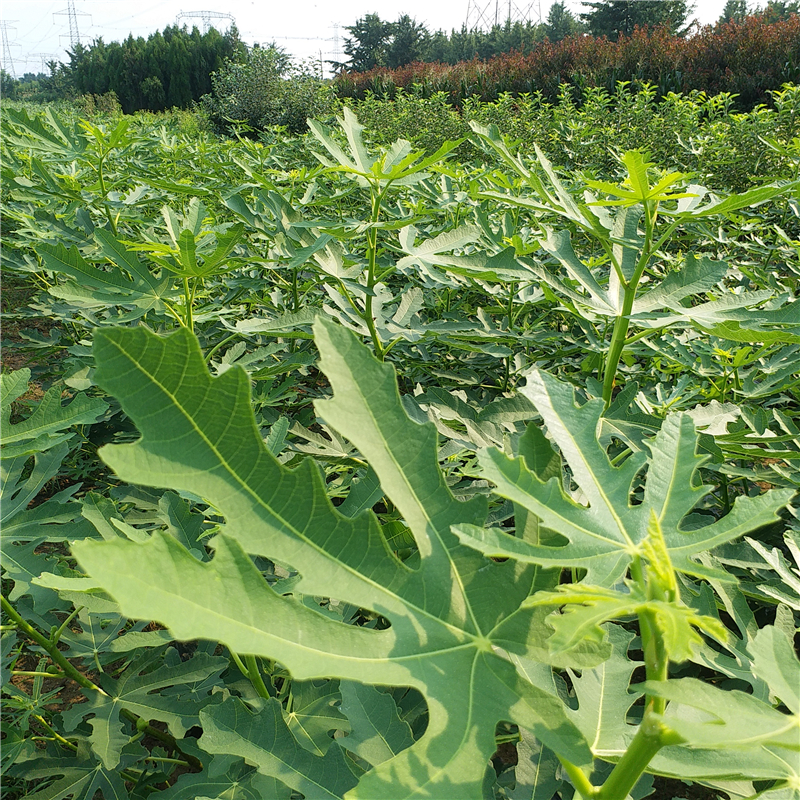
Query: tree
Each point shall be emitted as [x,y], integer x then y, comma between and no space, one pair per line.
[179,91]
[407,42]
[561,22]
[734,11]
[614,17]
[368,43]
[267,89]
[8,85]
[777,10]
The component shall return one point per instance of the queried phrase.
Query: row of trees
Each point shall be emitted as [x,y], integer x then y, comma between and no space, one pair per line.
[176,67]
[169,69]
[374,42]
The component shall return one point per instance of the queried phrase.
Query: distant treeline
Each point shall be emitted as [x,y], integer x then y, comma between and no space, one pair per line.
[169,69]
[748,59]
[747,54]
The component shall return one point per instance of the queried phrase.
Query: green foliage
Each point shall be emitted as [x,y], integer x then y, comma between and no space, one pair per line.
[748,60]
[561,22]
[169,69]
[265,90]
[615,17]
[376,43]
[8,85]
[456,471]
[734,11]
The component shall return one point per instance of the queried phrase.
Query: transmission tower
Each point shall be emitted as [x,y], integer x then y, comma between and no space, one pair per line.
[206,17]
[46,59]
[488,13]
[8,61]
[337,46]
[72,16]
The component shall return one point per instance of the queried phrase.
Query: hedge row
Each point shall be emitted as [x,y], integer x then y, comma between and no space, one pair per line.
[747,59]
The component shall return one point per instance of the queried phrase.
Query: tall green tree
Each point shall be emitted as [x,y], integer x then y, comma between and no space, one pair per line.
[8,85]
[561,22]
[777,10]
[367,44]
[734,11]
[614,17]
[406,42]
[172,68]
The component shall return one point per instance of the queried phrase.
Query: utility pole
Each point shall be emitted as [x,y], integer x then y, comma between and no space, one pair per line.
[8,62]
[337,47]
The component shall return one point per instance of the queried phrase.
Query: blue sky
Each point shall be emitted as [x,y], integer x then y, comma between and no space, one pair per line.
[38,31]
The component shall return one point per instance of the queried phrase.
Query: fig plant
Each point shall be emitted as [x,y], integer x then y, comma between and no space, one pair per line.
[467,620]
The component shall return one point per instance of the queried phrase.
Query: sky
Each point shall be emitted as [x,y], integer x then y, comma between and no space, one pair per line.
[37,31]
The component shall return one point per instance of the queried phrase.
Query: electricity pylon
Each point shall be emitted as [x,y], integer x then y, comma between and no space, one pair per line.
[488,13]
[206,17]
[8,62]
[72,17]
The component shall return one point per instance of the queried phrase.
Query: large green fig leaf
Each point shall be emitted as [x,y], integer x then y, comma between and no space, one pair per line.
[453,616]
[225,778]
[138,690]
[609,531]
[263,739]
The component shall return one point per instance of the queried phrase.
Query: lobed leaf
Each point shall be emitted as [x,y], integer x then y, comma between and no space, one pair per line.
[446,610]
[605,535]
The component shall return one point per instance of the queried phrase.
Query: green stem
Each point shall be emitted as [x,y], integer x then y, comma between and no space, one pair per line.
[187,309]
[254,673]
[221,344]
[55,654]
[622,322]
[372,257]
[509,323]
[27,674]
[103,191]
[647,742]
[656,661]
[55,636]
[170,741]
[239,663]
[179,761]
[58,657]
[641,335]
[726,500]
[583,786]
[55,734]
[391,345]
[174,312]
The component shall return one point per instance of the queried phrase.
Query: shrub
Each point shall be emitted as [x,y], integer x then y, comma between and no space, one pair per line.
[695,132]
[426,122]
[90,105]
[267,90]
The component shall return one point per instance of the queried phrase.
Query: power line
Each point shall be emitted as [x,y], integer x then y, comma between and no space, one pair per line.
[46,59]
